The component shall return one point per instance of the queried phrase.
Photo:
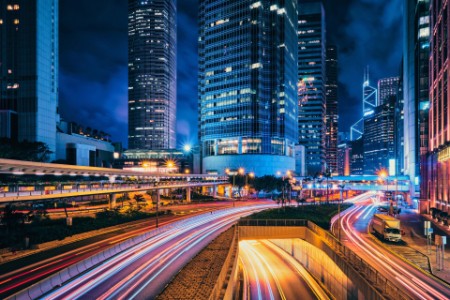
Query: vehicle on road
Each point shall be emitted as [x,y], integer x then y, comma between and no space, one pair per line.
[387,227]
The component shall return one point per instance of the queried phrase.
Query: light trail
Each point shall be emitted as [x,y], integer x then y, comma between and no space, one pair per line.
[253,260]
[402,274]
[312,283]
[272,270]
[113,279]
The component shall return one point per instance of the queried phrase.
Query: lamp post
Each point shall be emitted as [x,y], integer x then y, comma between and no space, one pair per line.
[251,175]
[341,186]
[328,175]
[240,171]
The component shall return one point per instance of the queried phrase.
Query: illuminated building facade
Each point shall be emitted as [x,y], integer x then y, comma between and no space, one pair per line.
[387,87]
[438,164]
[247,85]
[343,159]
[29,71]
[311,86]
[399,124]
[379,137]
[416,55]
[369,103]
[156,161]
[331,141]
[357,156]
[152,74]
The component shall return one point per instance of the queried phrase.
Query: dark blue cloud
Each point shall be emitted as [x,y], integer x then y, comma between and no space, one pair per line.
[93,65]
[367,33]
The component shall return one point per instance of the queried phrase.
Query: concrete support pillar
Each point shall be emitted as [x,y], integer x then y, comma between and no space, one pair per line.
[221,190]
[156,196]
[112,200]
[204,190]
[230,191]
[214,190]
[188,195]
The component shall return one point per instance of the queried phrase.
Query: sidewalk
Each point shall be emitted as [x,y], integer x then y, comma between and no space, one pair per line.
[413,226]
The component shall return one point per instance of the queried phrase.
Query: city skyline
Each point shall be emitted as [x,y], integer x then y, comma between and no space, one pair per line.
[100,41]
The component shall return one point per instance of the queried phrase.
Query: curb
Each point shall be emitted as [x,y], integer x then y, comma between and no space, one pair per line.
[429,274]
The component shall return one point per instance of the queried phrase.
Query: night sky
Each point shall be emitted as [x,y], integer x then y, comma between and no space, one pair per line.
[93,59]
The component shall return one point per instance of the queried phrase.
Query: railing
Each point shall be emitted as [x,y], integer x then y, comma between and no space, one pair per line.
[273,222]
[380,282]
[95,188]
[375,279]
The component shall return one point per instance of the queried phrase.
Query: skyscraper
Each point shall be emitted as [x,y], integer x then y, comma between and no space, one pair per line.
[387,87]
[311,86]
[29,70]
[343,159]
[357,156]
[247,85]
[416,49]
[379,137]
[370,94]
[152,74]
[399,118]
[331,142]
[438,164]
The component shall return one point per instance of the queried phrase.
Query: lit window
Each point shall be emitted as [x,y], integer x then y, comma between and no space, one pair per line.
[1,21]
[16,21]
[9,7]
[16,7]
[424,32]
[256,65]
[255,5]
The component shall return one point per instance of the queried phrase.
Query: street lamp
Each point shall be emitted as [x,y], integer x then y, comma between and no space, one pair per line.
[341,186]
[240,171]
[284,188]
[251,175]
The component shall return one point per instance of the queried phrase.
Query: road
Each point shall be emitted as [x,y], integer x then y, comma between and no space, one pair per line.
[270,273]
[20,273]
[142,271]
[408,279]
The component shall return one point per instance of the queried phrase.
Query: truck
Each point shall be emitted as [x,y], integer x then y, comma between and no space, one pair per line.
[387,227]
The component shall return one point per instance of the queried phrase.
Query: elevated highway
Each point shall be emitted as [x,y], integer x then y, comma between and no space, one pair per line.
[86,181]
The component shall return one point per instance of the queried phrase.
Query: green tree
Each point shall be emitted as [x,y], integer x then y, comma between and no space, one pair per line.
[31,151]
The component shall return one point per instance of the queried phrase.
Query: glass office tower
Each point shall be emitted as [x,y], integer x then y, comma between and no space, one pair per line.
[29,70]
[247,85]
[311,86]
[152,74]
[416,62]
[387,87]
[332,117]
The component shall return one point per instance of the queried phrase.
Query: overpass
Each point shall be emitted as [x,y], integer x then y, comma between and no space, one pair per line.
[116,181]
[357,183]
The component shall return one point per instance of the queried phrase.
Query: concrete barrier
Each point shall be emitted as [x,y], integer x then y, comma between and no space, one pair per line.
[225,285]
[54,280]
[323,255]
[21,296]
[35,291]
[64,275]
